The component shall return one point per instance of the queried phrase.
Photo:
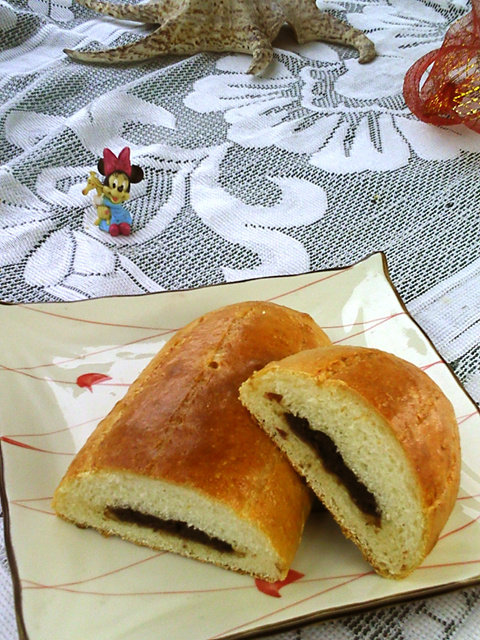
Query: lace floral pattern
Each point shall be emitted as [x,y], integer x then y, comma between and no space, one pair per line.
[59,11]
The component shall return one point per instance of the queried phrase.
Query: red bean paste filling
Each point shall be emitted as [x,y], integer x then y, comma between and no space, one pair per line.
[175,527]
[333,462]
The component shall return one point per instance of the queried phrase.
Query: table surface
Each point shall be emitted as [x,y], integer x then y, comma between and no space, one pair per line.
[315,164]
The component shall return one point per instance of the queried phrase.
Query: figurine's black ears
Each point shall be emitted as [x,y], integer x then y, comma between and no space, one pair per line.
[101,167]
[137,174]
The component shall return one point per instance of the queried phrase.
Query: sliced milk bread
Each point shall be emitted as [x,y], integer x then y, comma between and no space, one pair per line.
[180,465]
[376,440]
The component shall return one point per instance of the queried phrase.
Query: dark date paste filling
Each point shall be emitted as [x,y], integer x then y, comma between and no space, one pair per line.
[333,462]
[175,527]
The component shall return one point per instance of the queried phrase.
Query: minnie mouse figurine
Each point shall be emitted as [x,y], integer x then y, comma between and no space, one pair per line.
[118,174]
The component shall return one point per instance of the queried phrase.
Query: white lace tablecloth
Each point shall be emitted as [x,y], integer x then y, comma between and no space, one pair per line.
[315,164]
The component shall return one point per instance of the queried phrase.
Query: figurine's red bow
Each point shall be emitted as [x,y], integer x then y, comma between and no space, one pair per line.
[111,163]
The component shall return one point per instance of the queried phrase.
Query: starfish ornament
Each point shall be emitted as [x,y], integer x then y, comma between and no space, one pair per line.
[243,26]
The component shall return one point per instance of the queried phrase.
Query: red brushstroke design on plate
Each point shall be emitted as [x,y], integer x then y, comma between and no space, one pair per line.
[273,588]
[24,445]
[87,380]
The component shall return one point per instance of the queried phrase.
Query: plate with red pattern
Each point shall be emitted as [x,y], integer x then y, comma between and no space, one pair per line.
[63,367]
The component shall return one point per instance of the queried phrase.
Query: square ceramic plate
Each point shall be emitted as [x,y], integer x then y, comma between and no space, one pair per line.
[63,366]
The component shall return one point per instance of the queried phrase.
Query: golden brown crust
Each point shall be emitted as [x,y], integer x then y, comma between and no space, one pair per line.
[181,421]
[419,414]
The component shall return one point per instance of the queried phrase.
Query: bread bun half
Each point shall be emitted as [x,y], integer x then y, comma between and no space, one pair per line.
[376,440]
[180,465]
